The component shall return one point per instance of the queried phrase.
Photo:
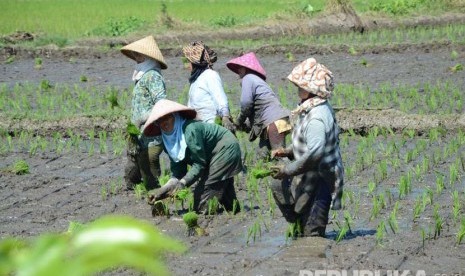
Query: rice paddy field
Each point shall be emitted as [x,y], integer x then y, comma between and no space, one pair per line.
[399,101]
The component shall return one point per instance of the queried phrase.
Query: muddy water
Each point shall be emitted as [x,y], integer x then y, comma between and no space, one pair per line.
[69,186]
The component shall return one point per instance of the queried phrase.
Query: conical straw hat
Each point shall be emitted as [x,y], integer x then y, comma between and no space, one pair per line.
[164,107]
[249,61]
[146,46]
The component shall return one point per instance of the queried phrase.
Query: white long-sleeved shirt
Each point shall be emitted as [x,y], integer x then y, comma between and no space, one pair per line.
[207,97]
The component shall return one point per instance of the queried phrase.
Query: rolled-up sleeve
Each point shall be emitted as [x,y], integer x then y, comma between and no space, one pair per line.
[316,140]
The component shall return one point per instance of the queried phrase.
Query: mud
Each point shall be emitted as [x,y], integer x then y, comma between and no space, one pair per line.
[79,186]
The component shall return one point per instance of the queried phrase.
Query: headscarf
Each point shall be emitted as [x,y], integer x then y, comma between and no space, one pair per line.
[146,65]
[175,141]
[314,78]
[201,57]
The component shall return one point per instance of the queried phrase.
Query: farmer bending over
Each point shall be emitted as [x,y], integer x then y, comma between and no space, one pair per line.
[260,105]
[211,150]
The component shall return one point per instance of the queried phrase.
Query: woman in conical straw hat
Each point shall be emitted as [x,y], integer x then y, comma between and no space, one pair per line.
[144,151]
[260,105]
[315,153]
[206,92]
[212,152]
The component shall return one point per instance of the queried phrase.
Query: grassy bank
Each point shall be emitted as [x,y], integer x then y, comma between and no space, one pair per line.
[75,19]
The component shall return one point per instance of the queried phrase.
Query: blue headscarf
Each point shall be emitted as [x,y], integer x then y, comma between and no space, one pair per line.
[174,141]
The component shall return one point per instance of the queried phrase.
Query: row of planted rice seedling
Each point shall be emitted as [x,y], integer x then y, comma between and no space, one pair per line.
[416,99]
[423,193]
[399,178]
[101,142]
[451,34]
[62,101]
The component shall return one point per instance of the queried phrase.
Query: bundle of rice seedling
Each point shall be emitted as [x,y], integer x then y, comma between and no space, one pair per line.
[261,173]
[191,219]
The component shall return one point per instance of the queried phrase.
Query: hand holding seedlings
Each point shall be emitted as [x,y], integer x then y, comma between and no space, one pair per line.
[278,171]
[169,189]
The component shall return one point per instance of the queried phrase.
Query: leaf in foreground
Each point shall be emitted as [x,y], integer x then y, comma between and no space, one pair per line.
[109,242]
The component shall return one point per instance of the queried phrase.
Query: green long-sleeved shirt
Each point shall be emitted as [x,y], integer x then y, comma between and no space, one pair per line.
[212,151]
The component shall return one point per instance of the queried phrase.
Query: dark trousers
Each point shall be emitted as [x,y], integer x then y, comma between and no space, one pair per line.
[223,190]
[143,165]
[306,203]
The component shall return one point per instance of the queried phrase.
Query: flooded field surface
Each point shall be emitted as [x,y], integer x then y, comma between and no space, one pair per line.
[404,190]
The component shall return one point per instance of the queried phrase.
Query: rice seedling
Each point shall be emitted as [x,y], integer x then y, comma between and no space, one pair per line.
[395,162]
[10,59]
[112,98]
[236,206]
[457,67]
[140,191]
[371,187]
[342,233]
[212,206]
[352,51]
[430,195]
[423,237]
[45,85]
[160,208]
[376,208]
[271,202]
[456,206]
[254,231]
[425,164]
[83,78]
[453,174]
[191,221]
[438,222]
[290,56]
[380,232]
[454,55]
[405,185]
[393,224]
[364,62]
[461,232]
[116,185]
[293,230]
[103,147]
[20,167]
[182,195]
[382,169]
[259,173]
[440,186]
[418,208]
[104,192]
[38,63]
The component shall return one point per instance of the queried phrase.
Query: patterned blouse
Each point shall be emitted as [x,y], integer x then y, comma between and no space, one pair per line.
[146,93]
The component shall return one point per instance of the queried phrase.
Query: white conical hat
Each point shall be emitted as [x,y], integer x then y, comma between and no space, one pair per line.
[146,46]
[164,107]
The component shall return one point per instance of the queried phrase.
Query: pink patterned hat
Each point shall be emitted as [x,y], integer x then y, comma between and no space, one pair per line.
[249,61]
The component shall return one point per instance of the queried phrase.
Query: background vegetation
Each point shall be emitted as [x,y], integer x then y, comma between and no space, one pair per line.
[75,19]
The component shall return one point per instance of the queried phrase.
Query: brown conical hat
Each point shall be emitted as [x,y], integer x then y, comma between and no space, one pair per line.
[164,107]
[146,46]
